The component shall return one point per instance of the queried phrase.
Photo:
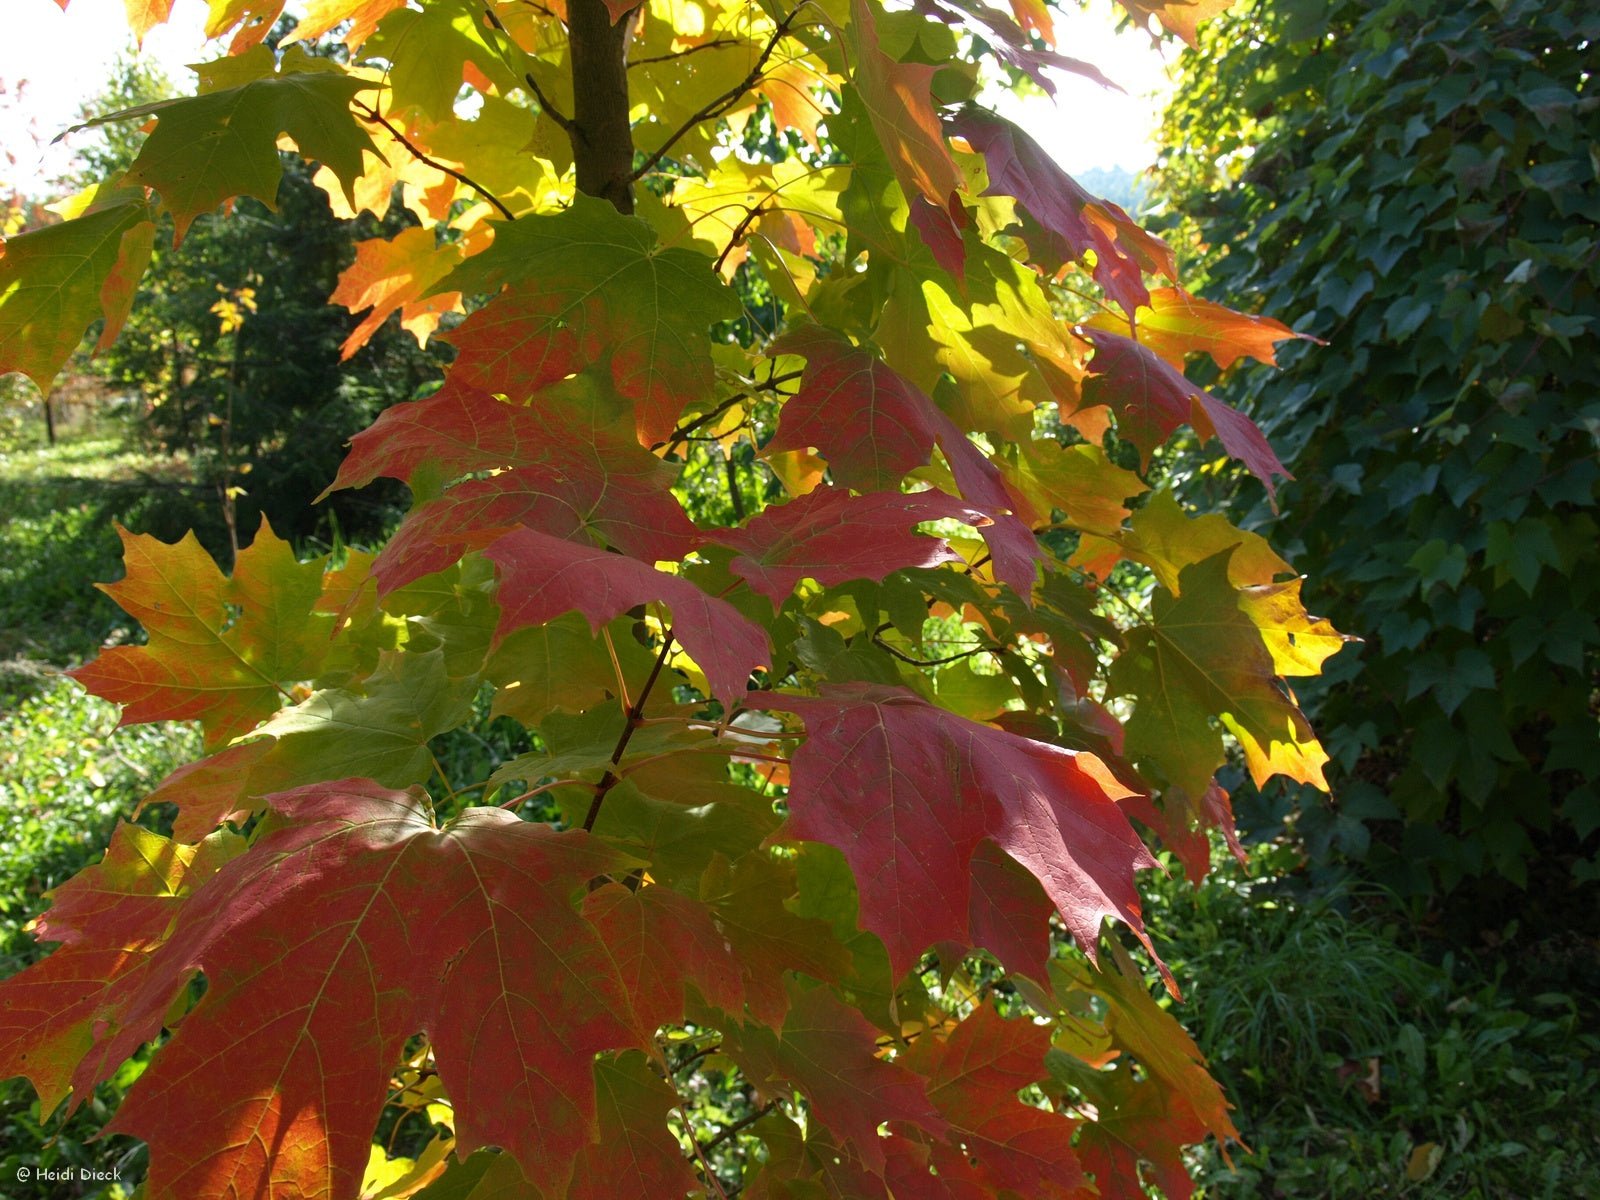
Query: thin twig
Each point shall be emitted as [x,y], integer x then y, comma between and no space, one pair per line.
[711,1178]
[368,113]
[616,667]
[745,222]
[723,102]
[682,432]
[547,106]
[635,711]
[703,1052]
[933,662]
[740,1125]
[731,470]
[713,44]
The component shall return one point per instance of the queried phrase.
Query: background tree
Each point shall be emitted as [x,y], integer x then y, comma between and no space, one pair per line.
[1416,185]
[801,886]
[203,346]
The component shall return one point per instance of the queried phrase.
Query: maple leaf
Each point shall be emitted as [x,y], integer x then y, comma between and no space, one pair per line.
[1011,42]
[1182,825]
[321,17]
[1077,479]
[973,1077]
[748,898]
[733,940]
[455,431]
[311,1016]
[377,729]
[685,815]
[1175,1102]
[555,471]
[908,792]
[832,536]
[1009,913]
[1066,221]
[209,148]
[201,663]
[599,490]
[899,102]
[828,1050]
[1181,17]
[395,276]
[634,1154]
[1151,399]
[560,665]
[143,16]
[56,280]
[110,918]
[1175,324]
[663,942]
[873,425]
[1166,539]
[589,285]
[1202,656]
[542,577]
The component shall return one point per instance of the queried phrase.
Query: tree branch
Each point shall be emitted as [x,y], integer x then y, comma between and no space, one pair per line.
[723,102]
[600,131]
[368,113]
[682,432]
[545,106]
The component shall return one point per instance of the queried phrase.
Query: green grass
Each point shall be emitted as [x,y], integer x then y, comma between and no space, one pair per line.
[58,538]
[1364,1062]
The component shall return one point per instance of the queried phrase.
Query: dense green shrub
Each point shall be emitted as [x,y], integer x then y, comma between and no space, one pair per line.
[1422,193]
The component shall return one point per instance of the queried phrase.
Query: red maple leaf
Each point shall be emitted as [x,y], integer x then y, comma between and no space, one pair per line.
[542,577]
[469,934]
[973,1077]
[873,426]
[831,536]
[1152,398]
[829,1051]
[908,792]
[554,473]
[1067,220]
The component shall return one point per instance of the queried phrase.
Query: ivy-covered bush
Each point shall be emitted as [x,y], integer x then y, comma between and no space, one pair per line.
[1423,195]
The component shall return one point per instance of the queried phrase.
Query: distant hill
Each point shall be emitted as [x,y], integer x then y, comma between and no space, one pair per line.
[1116,184]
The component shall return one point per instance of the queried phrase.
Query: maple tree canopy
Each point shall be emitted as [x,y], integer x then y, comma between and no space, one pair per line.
[825,622]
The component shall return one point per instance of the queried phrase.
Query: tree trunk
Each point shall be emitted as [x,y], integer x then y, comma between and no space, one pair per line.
[602,139]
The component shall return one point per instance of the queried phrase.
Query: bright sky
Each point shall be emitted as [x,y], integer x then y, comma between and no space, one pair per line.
[64,57]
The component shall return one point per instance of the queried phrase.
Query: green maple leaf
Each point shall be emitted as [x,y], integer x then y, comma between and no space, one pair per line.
[56,280]
[1202,656]
[209,148]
